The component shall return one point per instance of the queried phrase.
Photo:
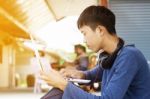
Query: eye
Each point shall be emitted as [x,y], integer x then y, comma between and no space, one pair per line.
[84,33]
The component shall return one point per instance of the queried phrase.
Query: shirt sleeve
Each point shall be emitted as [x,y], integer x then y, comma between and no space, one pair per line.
[126,68]
[91,74]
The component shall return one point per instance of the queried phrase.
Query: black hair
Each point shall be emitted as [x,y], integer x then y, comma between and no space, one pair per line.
[93,16]
[81,47]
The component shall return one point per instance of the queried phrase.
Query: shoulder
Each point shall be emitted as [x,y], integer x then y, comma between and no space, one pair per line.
[127,59]
[131,54]
[131,51]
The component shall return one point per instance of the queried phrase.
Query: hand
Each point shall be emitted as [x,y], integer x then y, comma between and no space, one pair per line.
[54,78]
[72,73]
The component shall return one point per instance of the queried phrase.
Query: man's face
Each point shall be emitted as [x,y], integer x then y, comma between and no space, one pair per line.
[77,51]
[92,38]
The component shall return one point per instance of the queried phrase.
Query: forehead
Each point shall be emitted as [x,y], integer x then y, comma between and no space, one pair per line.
[85,28]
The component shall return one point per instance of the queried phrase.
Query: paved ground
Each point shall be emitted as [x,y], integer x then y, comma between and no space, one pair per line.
[20,95]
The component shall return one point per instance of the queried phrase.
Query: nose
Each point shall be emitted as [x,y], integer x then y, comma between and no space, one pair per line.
[85,42]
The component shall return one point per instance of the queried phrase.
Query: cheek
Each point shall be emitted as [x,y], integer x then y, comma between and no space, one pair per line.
[88,39]
[90,42]
[96,44]
[99,45]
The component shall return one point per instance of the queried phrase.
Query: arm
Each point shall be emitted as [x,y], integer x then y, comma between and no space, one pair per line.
[91,74]
[126,68]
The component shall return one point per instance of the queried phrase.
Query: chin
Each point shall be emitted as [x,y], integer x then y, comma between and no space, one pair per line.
[95,50]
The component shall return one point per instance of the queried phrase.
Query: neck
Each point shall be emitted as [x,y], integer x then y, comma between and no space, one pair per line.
[110,44]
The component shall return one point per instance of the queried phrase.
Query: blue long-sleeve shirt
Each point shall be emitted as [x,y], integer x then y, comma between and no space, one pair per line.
[129,78]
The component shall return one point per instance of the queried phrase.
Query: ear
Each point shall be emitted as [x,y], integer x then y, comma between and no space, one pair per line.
[100,30]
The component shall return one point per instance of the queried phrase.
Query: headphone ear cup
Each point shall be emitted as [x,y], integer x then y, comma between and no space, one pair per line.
[103,58]
[108,60]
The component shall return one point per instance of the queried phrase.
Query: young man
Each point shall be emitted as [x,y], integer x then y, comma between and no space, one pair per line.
[124,72]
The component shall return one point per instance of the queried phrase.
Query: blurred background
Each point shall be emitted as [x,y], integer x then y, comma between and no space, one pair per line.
[52,24]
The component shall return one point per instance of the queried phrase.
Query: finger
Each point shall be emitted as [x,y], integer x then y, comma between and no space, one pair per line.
[72,75]
[43,77]
[46,80]
[62,71]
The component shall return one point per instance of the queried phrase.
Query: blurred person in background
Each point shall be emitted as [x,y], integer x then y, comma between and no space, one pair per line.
[92,61]
[81,61]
